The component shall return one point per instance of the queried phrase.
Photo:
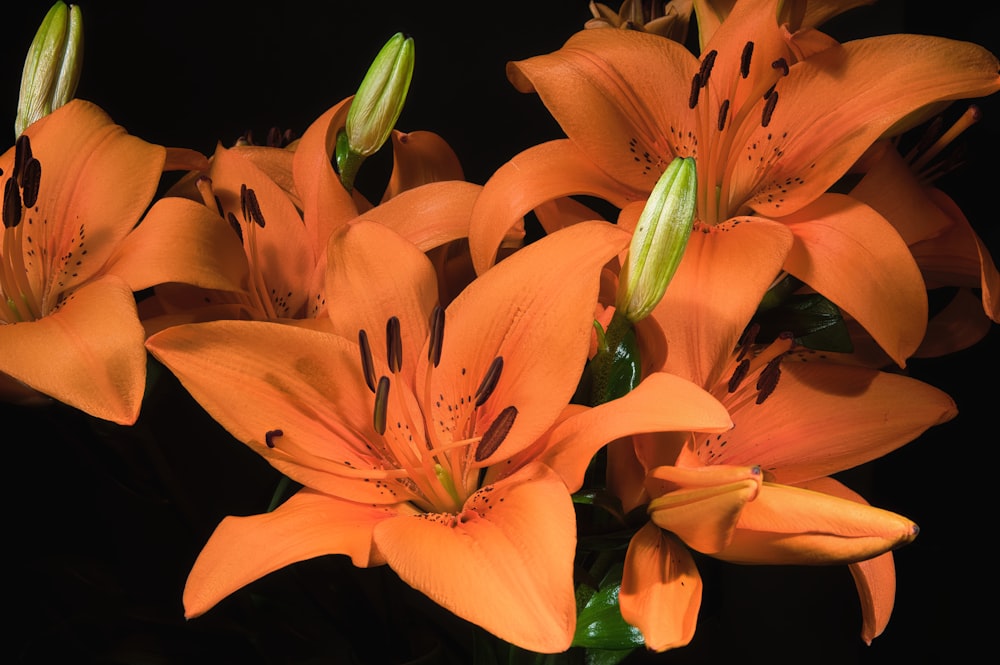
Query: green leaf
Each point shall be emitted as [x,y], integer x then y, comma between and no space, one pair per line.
[599,624]
[814,321]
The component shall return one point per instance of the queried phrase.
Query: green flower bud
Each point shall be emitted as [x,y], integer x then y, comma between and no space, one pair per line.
[376,106]
[52,66]
[659,240]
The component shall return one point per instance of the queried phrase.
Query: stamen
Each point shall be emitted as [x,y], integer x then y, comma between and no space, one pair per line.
[11,203]
[769,105]
[739,374]
[393,344]
[971,116]
[707,63]
[31,180]
[22,153]
[270,435]
[367,365]
[747,339]
[745,59]
[489,381]
[437,335]
[768,379]
[723,112]
[235,224]
[695,89]
[248,199]
[496,433]
[381,404]
[781,64]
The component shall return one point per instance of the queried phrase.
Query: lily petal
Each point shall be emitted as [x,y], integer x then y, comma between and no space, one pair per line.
[88,354]
[881,286]
[242,550]
[508,565]
[661,589]
[429,215]
[419,158]
[874,578]
[535,310]
[661,402]
[799,432]
[544,172]
[181,241]
[725,271]
[374,273]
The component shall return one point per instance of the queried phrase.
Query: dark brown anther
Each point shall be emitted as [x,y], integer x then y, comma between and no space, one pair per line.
[393,344]
[381,405]
[248,199]
[747,339]
[367,365]
[496,433]
[235,224]
[22,153]
[772,101]
[31,180]
[739,374]
[745,59]
[243,201]
[269,436]
[437,336]
[695,89]
[781,64]
[707,63]
[723,112]
[768,379]
[11,203]
[274,137]
[489,381]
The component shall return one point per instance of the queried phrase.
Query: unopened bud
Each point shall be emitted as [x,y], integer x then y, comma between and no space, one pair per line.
[52,66]
[376,106]
[658,243]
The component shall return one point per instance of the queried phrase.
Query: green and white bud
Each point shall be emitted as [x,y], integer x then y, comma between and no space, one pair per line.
[658,243]
[52,66]
[376,106]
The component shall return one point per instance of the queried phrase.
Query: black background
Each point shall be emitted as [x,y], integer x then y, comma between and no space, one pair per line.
[103,524]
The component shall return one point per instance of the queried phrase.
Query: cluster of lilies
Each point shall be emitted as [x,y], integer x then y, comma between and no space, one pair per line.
[456,376]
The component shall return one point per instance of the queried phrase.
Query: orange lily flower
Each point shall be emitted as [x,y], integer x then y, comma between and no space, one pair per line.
[75,186]
[283,203]
[415,444]
[630,102]
[761,493]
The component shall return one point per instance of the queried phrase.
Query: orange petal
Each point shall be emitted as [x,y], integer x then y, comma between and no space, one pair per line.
[870,84]
[702,505]
[304,383]
[958,326]
[661,402]
[661,589]
[242,550]
[181,241]
[430,215]
[541,173]
[799,432]
[534,309]
[373,274]
[875,578]
[325,203]
[504,563]
[850,254]
[419,158]
[725,271]
[87,354]
[789,525]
